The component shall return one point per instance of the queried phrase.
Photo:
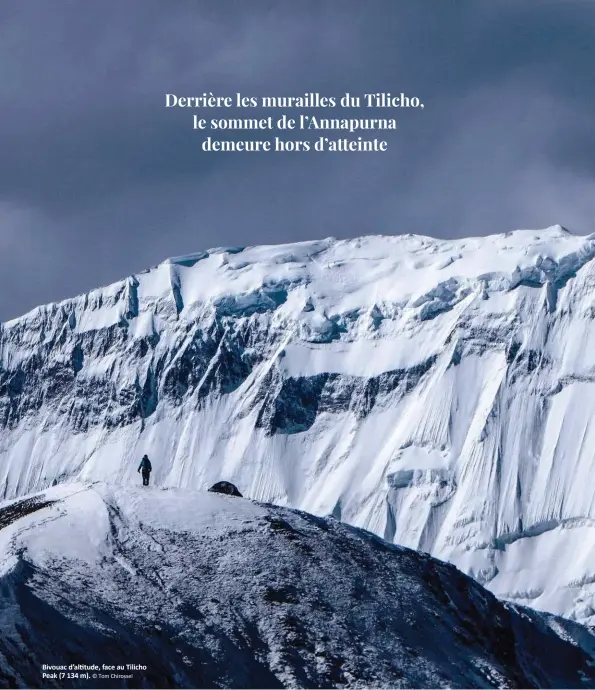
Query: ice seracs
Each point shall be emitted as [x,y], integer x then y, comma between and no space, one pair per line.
[439,393]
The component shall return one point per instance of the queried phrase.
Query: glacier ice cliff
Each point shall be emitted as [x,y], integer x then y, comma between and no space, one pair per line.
[440,394]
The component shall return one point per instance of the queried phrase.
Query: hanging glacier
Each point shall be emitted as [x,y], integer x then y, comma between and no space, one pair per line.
[438,393]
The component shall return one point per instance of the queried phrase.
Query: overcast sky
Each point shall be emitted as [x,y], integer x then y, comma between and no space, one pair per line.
[99,180]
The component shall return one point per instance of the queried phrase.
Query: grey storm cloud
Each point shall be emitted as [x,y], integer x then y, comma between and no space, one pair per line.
[99,180]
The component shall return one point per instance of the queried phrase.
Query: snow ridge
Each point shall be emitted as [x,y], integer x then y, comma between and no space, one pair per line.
[222,592]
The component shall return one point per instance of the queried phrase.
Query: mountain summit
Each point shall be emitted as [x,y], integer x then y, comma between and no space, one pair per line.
[437,393]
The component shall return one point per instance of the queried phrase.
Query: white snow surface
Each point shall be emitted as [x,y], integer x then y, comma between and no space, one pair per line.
[215,591]
[438,393]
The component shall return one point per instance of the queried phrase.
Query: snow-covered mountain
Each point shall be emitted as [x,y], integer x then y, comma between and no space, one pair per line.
[438,393]
[205,590]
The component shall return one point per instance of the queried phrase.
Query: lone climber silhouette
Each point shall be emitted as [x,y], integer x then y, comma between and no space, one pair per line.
[145,466]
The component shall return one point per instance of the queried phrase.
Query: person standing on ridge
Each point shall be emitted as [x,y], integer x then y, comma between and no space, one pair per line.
[145,466]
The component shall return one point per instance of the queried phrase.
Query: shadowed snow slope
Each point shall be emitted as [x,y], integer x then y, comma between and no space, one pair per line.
[437,393]
[209,590]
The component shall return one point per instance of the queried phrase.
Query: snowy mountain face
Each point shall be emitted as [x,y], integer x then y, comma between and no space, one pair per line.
[214,591]
[437,393]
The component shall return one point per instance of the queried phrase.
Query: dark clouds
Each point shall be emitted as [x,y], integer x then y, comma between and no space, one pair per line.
[98,179]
